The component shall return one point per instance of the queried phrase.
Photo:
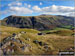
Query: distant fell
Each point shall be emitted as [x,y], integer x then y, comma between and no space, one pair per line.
[41,22]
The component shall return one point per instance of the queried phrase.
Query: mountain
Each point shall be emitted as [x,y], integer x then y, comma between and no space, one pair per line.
[42,22]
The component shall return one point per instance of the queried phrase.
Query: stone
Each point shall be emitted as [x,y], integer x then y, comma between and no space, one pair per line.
[46,47]
[9,43]
[27,39]
[12,45]
[8,51]
[6,38]
[12,50]
[18,41]
[45,44]
[19,35]
[1,44]
[36,41]
[22,47]
[13,39]
[22,32]
[1,52]
[40,33]
[4,52]
[14,34]
[40,43]
[70,49]
[26,49]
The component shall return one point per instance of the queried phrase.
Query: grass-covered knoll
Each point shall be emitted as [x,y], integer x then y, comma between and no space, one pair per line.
[60,31]
[16,30]
[55,41]
[8,31]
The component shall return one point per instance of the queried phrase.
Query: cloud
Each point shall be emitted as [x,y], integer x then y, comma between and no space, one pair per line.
[29,6]
[15,4]
[61,9]
[40,3]
[21,10]
[36,8]
[71,14]
[57,10]
[17,8]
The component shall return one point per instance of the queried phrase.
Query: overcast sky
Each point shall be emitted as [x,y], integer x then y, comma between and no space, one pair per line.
[34,8]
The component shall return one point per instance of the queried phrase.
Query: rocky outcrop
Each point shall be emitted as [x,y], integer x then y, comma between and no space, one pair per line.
[7,46]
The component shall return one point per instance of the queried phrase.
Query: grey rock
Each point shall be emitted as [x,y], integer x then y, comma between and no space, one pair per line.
[36,41]
[27,39]
[41,33]
[14,34]
[22,32]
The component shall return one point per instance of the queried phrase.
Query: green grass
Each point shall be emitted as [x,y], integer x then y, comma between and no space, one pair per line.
[17,30]
[60,31]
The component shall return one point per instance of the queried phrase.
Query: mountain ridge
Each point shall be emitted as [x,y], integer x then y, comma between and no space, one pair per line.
[41,22]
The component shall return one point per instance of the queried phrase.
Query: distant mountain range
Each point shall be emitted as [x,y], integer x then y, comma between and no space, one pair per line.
[41,22]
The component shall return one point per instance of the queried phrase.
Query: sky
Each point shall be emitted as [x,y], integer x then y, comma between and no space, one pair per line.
[35,8]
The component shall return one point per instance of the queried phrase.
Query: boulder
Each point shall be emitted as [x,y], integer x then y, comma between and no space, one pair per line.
[28,39]
[1,52]
[46,47]
[13,39]
[70,48]
[41,43]
[45,44]
[36,41]
[40,33]
[8,51]
[14,34]
[18,40]
[1,44]
[22,47]
[12,51]
[12,45]
[4,52]
[22,32]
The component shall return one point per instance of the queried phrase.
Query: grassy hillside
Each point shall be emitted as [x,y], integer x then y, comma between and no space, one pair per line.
[39,22]
[51,42]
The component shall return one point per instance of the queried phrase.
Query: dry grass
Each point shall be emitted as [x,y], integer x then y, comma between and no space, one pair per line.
[54,41]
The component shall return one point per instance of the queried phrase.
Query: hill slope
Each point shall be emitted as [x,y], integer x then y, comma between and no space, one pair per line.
[16,41]
[42,22]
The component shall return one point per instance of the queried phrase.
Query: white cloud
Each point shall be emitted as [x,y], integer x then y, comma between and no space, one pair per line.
[57,10]
[29,6]
[17,8]
[21,10]
[71,14]
[62,9]
[40,3]
[36,8]
[15,4]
